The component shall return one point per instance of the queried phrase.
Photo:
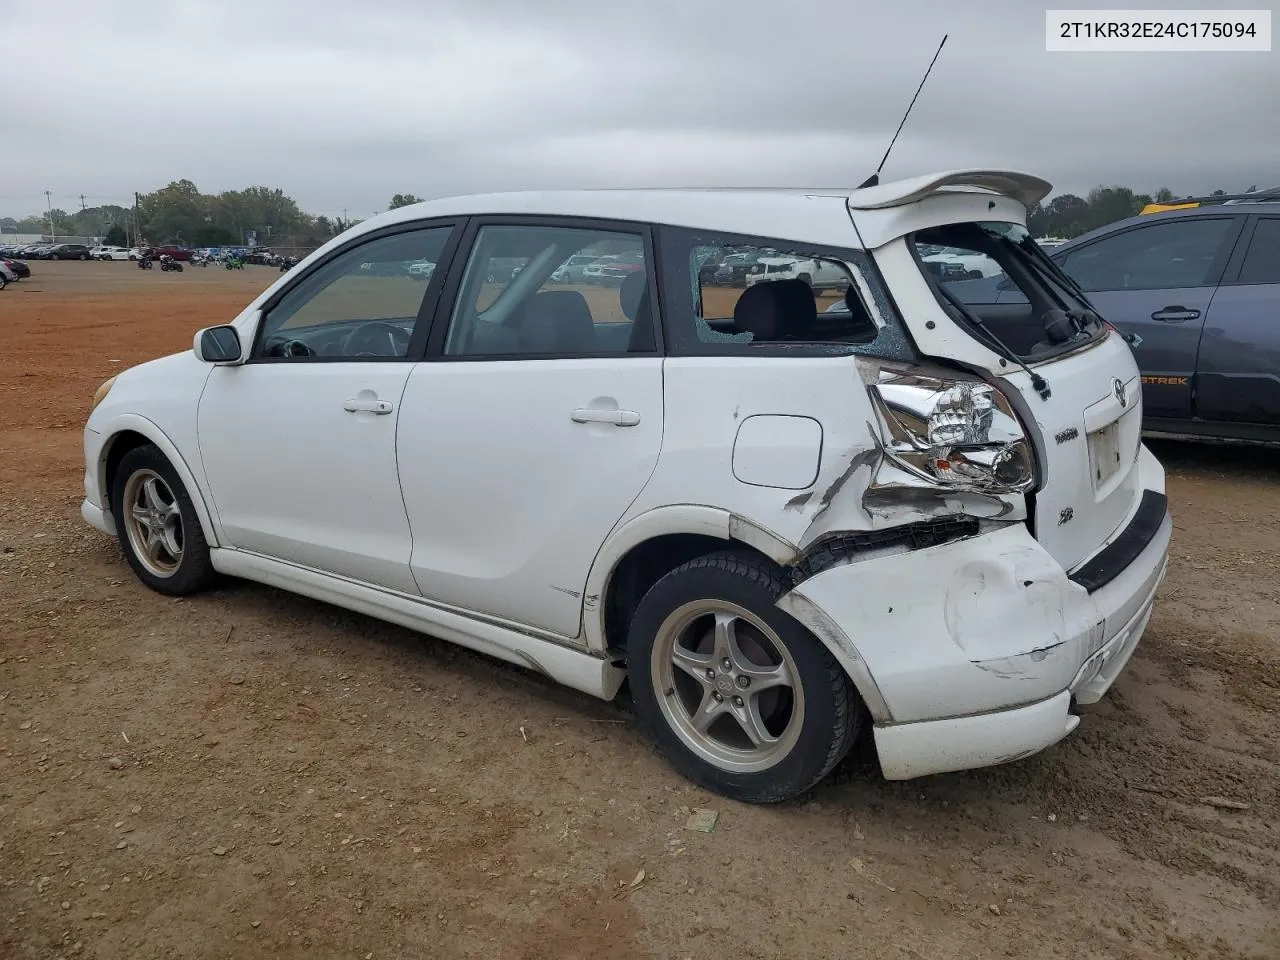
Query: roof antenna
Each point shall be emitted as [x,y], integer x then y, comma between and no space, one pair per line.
[874,179]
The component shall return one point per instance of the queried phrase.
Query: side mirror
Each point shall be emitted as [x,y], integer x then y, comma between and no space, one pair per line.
[218,344]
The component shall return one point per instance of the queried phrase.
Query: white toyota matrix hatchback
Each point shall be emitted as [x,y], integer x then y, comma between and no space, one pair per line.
[784,514]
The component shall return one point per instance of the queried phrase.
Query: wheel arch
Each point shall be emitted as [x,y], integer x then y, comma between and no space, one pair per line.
[130,431]
[648,545]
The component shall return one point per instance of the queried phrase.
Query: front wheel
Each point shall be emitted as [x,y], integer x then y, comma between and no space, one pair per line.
[737,695]
[84,256]
[157,525]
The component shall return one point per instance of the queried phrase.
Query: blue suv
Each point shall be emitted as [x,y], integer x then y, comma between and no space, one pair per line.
[1200,288]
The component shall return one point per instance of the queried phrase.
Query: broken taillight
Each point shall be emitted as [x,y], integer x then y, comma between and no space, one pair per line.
[956,433]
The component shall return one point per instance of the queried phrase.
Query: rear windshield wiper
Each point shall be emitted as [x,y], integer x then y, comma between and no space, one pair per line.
[1035,250]
[1038,382]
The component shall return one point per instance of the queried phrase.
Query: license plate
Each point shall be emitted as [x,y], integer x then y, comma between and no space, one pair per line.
[1104,452]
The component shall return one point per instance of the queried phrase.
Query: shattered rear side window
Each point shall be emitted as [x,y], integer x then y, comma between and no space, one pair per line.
[826,301]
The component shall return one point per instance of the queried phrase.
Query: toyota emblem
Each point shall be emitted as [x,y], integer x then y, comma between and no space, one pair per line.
[1119,387]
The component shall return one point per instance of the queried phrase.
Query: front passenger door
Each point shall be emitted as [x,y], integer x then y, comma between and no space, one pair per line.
[299,442]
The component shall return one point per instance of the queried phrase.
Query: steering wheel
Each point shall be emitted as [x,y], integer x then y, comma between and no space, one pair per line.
[361,341]
[289,348]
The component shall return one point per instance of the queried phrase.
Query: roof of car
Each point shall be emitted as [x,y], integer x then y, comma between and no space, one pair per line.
[813,215]
[1181,213]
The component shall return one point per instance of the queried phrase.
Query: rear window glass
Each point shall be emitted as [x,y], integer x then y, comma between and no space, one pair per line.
[992,279]
[731,294]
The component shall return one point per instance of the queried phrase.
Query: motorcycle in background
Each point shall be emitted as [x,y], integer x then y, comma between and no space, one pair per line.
[167,263]
[144,262]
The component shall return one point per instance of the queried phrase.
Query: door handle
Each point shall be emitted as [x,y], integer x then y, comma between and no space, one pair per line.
[619,418]
[1175,314]
[355,405]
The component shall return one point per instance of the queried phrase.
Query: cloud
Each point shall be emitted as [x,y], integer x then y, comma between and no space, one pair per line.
[342,104]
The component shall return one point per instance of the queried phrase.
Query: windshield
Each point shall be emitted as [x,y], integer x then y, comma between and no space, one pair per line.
[993,279]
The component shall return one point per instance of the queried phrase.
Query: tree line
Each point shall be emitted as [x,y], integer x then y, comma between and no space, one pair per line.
[180,213]
[1067,215]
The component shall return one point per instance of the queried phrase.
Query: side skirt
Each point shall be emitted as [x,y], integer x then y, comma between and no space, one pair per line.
[570,667]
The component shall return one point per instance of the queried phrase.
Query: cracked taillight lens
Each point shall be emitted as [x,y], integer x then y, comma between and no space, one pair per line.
[959,434]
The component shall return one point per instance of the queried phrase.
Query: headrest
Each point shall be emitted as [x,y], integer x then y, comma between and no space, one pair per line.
[862,326]
[632,292]
[557,321]
[776,310]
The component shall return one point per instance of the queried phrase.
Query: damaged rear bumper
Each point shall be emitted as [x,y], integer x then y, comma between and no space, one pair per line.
[971,653]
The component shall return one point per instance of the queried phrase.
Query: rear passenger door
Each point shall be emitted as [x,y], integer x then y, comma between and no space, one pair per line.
[1238,376]
[534,423]
[1157,280]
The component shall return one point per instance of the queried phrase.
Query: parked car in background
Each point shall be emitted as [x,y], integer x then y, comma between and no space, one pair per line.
[19,269]
[573,270]
[733,269]
[67,251]
[105,252]
[174,251]
[779,525]
[964,264]
[7,276]
[816,274]
[31,251]
[615,269]
[1199,287]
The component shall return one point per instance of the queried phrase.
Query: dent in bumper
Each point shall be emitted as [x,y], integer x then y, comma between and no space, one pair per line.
[910,750]
[976,626]
[970,626]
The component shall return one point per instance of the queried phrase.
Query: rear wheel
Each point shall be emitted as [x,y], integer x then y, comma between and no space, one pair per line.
[738,695]
[157,525]
[84,256]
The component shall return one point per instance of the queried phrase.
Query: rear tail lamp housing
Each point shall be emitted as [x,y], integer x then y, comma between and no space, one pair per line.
[952,433]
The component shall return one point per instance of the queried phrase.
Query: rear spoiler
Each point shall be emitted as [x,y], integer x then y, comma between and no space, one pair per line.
[1022,187]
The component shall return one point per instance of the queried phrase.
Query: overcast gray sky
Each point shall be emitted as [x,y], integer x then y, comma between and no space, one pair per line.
[343,103]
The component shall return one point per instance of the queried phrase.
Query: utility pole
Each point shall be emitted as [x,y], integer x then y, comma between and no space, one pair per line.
[137,226]
[82,201]
[48,199]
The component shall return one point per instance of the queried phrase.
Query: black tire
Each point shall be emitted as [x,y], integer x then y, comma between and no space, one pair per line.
[4,281]
[194,570]
[84,256]
[832,711]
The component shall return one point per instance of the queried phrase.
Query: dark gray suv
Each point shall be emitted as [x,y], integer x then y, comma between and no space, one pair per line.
[67,251]
[1200,287]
